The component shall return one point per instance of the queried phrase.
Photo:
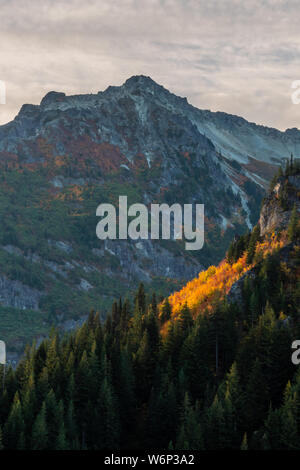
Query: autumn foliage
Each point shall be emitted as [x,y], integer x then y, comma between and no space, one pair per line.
[215,283]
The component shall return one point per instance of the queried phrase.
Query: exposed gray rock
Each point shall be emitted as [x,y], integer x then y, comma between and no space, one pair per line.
[18,295]
[143,259]
[235,294]
[55,268]
[273,215]
[70,325]
[61,245]
[13,250]
[85,285]
[139,127]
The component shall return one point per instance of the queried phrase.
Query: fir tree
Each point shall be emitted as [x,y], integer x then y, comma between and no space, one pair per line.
[39,439]
[244,445]
[293,231]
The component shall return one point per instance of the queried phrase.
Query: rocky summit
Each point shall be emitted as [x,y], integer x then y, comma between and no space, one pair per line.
[59,160]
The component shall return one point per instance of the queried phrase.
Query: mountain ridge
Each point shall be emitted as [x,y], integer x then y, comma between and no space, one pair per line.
[59,160]
[54,99]
[276,235]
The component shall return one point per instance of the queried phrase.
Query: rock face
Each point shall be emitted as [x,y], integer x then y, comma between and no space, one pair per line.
[61,159]
[16,294]
[275,215]
[135,117]
[235,294]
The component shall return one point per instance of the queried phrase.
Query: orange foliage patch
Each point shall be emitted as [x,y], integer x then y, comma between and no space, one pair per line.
[74,193]
[215,283]
[59,160]
[208,286]
[85,153]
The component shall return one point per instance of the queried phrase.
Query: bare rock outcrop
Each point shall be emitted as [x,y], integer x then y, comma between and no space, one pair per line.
[274,214]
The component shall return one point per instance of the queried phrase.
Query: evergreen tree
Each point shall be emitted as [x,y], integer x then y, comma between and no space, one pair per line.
[185,319]
[252,244]
[244,445]
[14,427]
[165,311]
[293,231]
[1,443]
[190,433]
[39,439]
[61,442]
[257,397]
[140,298]
[215,429]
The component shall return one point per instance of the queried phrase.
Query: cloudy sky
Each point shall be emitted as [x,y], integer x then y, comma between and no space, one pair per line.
[236,56]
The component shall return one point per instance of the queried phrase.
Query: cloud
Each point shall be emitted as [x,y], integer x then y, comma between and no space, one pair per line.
[230,55]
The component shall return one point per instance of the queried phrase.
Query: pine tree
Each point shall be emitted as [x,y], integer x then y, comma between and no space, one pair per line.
[252,244]
[254,307]
[272,428]
[29,403]
[1,443]
[14,426]
[185,319]
[42,387]
[141,298]
[144,366]
[257,397]
[125,318]
[39,439]
[154,303]
[165,311]
[190,434]
[71,426]
[53,418]
[293,231]
[289,431]
[126,392]
[162,418]
[108,436]
[244,445]
[52,359]
[61,442]
[215,428]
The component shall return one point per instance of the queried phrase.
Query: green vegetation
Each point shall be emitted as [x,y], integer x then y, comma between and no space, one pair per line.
[37,217]
[150,377]
[221,380]
[293,229]
[21,326]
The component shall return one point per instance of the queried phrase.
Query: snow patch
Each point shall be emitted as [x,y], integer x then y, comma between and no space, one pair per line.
[225,222]
[141,108]
[124,166]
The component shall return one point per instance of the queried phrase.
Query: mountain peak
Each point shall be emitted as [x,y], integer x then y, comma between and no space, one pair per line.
[143,80]
[144,83]
[52,97]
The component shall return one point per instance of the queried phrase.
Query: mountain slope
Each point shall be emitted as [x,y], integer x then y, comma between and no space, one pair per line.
[271,237]
[61,159]
[218,375]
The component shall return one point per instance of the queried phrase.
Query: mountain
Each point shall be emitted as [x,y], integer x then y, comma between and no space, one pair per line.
[209,368]
[272,237]
[59,160]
